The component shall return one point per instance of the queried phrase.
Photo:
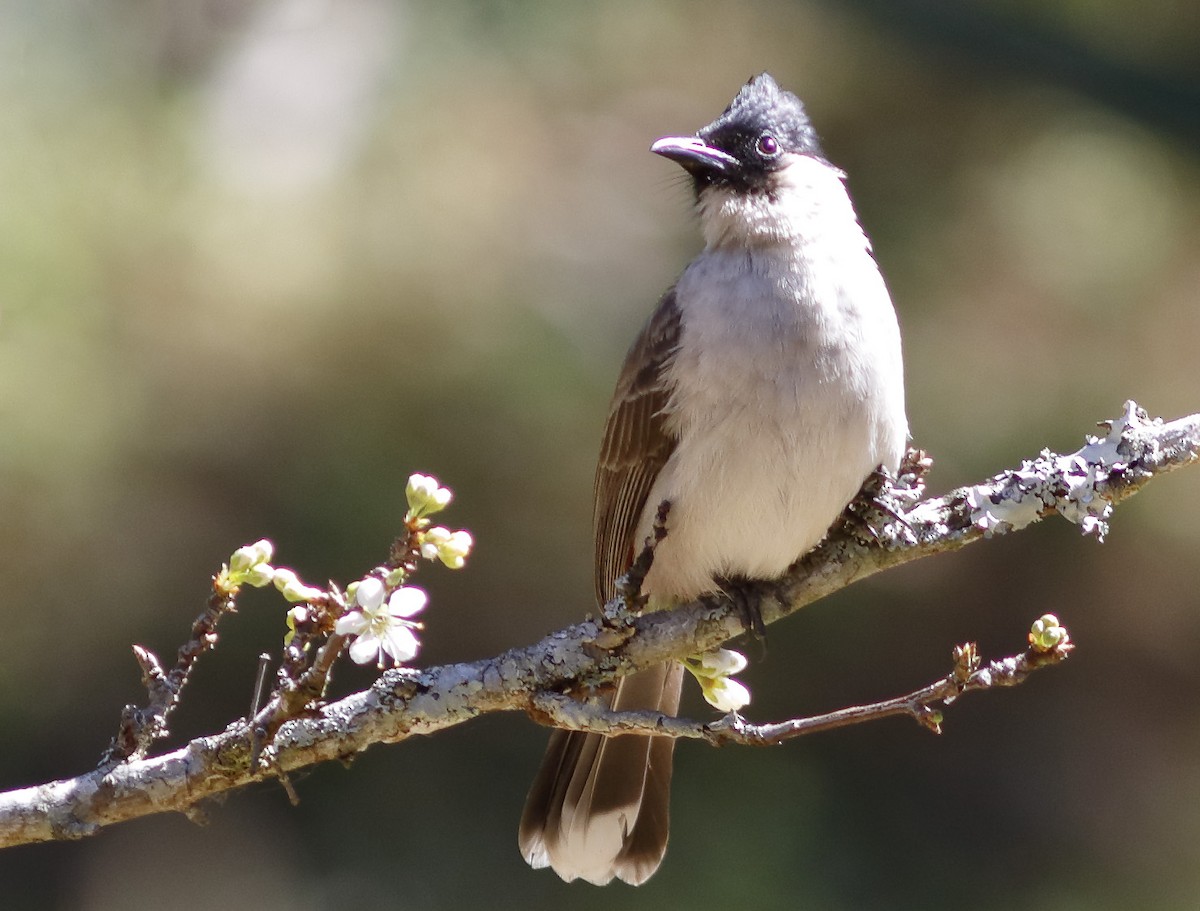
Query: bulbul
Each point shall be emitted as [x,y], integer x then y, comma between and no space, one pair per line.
[761,393]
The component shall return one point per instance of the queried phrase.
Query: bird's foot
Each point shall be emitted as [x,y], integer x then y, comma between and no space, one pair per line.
[877,515]
[747,597]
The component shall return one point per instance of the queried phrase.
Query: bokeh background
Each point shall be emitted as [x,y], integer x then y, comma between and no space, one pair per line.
[261,260]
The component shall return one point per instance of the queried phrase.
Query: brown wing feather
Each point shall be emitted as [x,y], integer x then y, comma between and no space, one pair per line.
[636,444]
[586,778]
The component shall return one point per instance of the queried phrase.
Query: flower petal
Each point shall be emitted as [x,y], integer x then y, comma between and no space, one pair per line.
[370,593]
[351,624]
[364,649]
[407,601]
[726,694]
[723,662]
[401,644]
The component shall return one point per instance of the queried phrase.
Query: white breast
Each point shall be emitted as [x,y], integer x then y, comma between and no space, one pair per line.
[788,384]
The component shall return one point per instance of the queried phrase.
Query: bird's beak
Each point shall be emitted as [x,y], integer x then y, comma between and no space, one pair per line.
[694,154]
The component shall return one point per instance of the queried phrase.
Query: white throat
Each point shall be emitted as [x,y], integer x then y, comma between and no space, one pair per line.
[807,203]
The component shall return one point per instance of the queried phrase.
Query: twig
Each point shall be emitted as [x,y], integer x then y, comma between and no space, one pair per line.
[140,727]
[302,683]
[968,676]
[293,698]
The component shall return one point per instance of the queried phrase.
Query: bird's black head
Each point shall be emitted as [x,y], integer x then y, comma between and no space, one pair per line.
[749,142]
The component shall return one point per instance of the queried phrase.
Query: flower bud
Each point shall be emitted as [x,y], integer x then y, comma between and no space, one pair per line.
[725,693]
[425,496]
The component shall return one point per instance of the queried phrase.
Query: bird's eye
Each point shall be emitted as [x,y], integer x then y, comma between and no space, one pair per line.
[767,146]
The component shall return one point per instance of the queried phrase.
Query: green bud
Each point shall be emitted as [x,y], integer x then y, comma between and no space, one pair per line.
[294,616]
[425,496]
[454,552]
[1047,634]
[247,557]
[260,576]
[292,588]
[284,577]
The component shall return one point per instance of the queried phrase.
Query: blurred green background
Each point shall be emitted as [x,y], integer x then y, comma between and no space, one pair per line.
[261,260]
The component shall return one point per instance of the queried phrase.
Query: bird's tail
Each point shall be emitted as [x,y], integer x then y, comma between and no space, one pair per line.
[599,806]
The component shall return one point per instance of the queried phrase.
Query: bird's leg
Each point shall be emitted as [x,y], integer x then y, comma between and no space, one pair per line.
[746,596]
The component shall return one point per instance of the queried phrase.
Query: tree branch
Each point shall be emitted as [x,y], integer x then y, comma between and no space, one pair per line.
[968,676]
[1082,486]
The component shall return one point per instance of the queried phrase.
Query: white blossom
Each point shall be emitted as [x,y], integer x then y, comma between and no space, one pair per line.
[382,628]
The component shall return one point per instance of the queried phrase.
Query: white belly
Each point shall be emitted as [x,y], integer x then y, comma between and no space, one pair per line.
[783,406]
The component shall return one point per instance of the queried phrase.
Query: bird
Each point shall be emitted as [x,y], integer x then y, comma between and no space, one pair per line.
[764,389]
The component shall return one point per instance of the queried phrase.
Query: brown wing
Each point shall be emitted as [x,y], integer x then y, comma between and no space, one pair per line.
[636,444]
